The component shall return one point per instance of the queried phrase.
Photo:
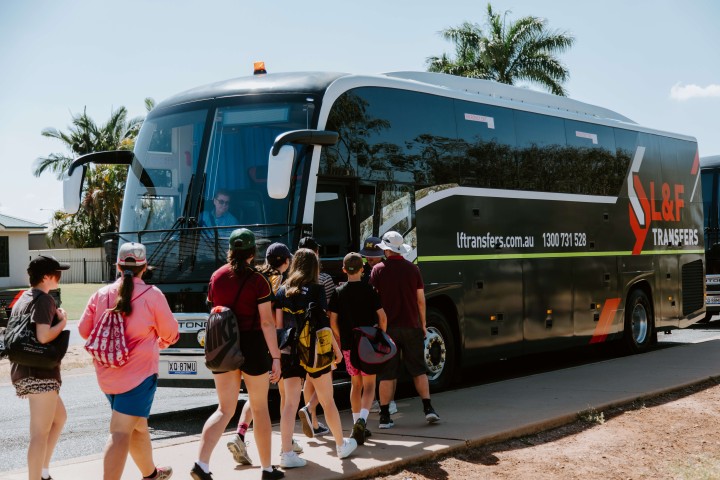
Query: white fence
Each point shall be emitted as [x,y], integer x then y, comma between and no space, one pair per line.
[87,265]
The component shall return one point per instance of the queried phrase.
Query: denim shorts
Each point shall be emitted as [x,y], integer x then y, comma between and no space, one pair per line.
[135,402]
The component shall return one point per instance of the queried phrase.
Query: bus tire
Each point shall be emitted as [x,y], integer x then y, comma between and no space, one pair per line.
[439,350]
[640,331]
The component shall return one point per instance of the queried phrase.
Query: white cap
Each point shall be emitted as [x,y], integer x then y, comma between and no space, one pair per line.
[394,241]
[131,254]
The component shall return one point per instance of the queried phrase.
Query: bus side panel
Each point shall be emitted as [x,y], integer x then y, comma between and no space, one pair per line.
[548,286]
[596,282]
[493,308]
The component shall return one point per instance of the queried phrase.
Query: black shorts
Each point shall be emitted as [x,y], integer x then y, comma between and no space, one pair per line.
[254,349]
[291,368]
[411,353]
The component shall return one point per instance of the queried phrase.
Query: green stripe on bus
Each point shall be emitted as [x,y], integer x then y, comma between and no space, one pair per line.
[509,256]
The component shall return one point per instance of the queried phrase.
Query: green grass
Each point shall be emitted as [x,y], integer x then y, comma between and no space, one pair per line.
[75,296]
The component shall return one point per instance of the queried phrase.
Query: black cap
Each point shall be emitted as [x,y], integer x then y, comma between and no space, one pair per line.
[308,242]
[45,265]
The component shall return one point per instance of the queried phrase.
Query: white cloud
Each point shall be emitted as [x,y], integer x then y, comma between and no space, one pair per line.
[687,92]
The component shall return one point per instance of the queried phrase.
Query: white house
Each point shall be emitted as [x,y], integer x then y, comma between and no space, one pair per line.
[14,250]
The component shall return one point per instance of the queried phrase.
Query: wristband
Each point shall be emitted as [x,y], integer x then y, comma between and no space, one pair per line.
[276,358]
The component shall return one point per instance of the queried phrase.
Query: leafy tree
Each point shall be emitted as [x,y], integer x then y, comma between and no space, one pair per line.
[507,51]
[104,184]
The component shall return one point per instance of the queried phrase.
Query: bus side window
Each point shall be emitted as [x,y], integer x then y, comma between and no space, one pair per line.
[331,224]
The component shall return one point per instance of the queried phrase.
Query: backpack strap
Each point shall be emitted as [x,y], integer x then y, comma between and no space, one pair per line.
[237,295]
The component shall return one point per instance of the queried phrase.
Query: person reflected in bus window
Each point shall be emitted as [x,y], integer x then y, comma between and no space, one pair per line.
[372,254]
[402,294]
[219,215]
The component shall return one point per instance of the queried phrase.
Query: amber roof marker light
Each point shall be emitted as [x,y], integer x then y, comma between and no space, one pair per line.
[259,68]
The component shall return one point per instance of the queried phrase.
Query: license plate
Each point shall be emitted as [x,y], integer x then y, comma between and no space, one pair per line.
[712,300]
[182,368]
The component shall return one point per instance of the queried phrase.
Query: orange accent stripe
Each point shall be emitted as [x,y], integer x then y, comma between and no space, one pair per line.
[15,299]
[606,318]
[696,163]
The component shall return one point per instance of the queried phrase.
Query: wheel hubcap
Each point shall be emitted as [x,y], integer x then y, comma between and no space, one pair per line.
[434,353]
[639,324]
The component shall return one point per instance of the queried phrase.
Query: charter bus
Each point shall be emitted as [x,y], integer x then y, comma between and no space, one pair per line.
[538,222]
[709,171]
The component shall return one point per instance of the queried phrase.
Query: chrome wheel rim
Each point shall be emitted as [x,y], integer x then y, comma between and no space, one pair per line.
[639,324]
[434,353]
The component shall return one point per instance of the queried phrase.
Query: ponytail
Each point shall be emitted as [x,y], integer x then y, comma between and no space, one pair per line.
[127,286]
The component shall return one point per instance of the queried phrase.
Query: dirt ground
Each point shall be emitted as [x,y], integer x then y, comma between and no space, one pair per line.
[674,436]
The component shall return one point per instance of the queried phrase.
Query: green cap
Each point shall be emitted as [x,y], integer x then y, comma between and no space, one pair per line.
[242,239]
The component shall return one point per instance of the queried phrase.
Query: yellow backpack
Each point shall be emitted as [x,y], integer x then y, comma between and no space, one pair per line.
[314,341]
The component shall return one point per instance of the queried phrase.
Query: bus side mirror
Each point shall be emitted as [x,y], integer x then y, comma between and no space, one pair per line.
[72,189]
[279,172]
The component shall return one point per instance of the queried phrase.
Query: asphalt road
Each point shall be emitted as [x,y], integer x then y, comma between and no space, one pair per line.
[181,412]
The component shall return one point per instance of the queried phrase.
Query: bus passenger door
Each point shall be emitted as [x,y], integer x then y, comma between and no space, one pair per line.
[334,225]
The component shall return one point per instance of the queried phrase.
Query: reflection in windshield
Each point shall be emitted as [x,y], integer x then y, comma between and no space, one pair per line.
[236,169]
[187,238]
[167,153]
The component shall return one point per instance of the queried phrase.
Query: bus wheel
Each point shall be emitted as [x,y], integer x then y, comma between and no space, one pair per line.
[639,322]
[439,350]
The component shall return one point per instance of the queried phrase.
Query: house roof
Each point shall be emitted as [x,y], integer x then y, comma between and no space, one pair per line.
[12,223]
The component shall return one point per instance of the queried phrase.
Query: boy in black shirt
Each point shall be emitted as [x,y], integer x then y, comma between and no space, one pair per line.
[356,304]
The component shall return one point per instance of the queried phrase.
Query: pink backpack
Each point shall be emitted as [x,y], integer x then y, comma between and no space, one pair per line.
[106,342]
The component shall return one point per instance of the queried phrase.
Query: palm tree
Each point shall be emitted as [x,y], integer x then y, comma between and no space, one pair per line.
[85,136]
[507,52]
[104,185]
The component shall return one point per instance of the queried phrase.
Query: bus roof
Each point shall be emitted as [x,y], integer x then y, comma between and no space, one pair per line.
[297,82]
[441,84]
[712,161]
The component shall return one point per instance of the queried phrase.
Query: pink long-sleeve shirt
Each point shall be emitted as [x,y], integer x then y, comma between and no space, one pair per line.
[150,327]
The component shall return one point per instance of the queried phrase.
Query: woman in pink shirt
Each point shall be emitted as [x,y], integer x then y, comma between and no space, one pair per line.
[149,326]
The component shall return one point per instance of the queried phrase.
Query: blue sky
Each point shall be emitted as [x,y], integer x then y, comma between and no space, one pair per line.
[653,61]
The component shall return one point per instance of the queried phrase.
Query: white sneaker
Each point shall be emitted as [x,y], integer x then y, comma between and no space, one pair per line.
[238,448]
[375,408]
[297,448]
[291,460]
[348,446]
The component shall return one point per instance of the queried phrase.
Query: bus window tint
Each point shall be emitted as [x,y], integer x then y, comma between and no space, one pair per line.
[486,141]
[332,225]
[166,152]
[391,135]
[396,208]
[365,213]
[590,159]
[237,160]
[540,148]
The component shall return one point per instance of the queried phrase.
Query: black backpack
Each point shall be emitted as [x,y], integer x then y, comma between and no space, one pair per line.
[222,339]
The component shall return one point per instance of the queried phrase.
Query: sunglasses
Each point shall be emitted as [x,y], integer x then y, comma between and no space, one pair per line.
[222,202]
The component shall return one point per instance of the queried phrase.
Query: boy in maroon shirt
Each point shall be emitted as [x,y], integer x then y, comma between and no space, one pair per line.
[402,293]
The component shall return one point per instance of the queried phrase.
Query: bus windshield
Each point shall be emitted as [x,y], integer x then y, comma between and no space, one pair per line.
[183,204]
[166,156]
[234,175]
